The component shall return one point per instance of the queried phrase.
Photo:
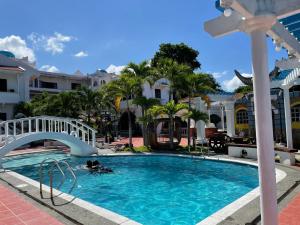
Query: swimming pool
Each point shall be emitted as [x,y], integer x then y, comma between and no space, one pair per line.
[152,190]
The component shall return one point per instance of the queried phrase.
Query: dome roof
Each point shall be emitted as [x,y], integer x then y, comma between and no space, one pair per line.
[7,54]
[102,70]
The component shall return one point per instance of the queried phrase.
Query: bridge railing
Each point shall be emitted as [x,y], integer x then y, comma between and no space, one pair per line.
[13,129]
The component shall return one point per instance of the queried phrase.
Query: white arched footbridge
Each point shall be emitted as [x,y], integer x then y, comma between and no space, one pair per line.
[73,133]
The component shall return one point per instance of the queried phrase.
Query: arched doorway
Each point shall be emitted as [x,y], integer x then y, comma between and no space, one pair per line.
[215,119]
[124,126]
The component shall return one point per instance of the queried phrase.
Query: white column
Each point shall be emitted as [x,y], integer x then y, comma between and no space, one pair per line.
[200,125]
[222,116]
[263,123]
[287,115]
[229,110]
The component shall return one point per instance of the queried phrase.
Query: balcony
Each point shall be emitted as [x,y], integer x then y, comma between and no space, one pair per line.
[51,90]
[9,97]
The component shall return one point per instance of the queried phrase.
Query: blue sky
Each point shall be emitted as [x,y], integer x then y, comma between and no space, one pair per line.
[115,32]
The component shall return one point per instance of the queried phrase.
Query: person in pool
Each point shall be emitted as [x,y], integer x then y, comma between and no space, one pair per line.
[96,166]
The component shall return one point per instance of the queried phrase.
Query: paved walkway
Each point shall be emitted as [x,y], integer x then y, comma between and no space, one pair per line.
[290,215]
[14,210]
[138,141]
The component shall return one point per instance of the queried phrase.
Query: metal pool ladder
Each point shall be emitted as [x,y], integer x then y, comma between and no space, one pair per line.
[56,164]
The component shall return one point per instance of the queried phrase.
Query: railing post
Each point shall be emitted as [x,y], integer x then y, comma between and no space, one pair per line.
[6,130]
[83,136]
[43,125]
[94,139]
[29,125]
[36,125]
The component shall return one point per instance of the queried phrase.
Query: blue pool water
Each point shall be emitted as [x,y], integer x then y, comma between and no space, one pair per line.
[153,190]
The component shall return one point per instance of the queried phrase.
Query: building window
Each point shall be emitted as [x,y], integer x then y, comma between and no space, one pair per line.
[3,85]
[49,85]
[95,84]
[295,113]
[2,116]
[242,117]
[157,93]
[75,86]
[36,83]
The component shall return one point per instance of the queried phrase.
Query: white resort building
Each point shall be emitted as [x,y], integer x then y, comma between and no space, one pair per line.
[20,81]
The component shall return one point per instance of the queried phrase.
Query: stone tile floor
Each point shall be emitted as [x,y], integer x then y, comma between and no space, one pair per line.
[138,141]
[15,210]
[290,214]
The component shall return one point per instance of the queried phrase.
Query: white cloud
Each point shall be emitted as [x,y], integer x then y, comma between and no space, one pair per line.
[217,75]
[234,83]
[49,68]
[115,69]
[54,44]
[17,46]
[81,54]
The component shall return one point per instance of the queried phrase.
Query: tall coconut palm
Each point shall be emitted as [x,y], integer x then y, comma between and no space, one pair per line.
[141,70]
[170,110]
[126,87]
[88,100]
[193,85]
[171,70]
[145,104]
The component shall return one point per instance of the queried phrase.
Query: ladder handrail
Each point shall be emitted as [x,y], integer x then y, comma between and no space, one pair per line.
[42,174]
[72,173]
[50,173]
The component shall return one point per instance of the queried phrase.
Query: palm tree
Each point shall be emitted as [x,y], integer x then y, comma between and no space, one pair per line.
[192,85]
[126,87]
[145,104]
[141,70]
[170,109]
[67,104]
[88,100]
[171,70]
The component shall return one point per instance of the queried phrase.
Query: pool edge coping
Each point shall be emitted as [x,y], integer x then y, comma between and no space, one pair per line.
[213,219]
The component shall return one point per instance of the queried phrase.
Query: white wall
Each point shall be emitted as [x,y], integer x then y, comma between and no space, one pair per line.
[285,157]
[8,109]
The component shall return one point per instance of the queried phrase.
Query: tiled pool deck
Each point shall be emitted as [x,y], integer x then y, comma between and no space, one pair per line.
[290,215]
[15,210]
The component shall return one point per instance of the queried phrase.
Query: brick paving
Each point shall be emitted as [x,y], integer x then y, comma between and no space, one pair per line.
[290,215]
[15,210]
[138,141]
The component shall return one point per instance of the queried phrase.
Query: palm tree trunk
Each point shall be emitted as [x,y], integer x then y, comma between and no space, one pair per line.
[129,124]
[171,129]
[143,128]
[188,126]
